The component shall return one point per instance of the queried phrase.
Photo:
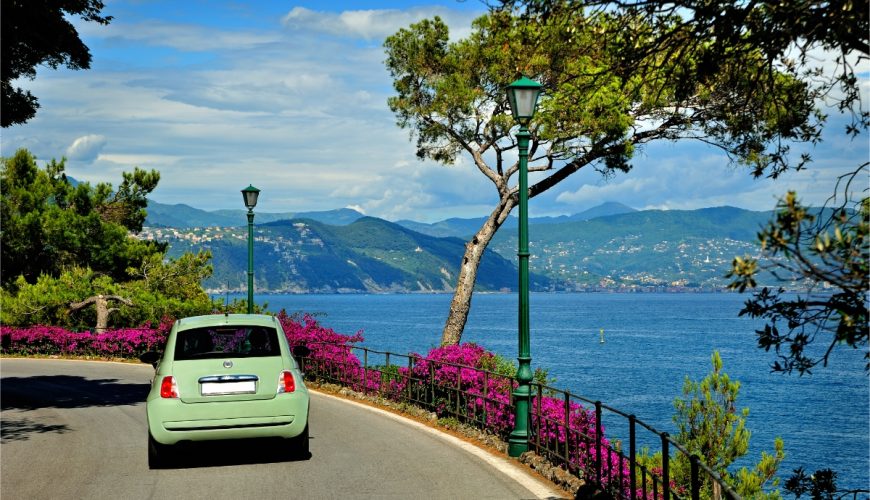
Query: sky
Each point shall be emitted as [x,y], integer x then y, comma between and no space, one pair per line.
[291,97]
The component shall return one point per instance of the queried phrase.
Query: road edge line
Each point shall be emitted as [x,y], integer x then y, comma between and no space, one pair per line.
[512,469]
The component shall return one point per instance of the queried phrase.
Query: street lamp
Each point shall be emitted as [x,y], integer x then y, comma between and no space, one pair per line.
[250,194]
[523,97]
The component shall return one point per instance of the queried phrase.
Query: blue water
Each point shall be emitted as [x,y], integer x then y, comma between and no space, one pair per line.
[653,341]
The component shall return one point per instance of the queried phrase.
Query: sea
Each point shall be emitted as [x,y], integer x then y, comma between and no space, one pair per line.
[652,343]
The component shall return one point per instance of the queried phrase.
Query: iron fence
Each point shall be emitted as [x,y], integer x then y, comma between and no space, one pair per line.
[563,430]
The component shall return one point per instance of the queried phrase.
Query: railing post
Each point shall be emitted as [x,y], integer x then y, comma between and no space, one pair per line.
[365,370]
[696,484]
[485,399]
[387,371]
[620,468]
[431,384]
[540,420]
[567,409]
[632,455]
[643,483]
[598,442]
[458,389]
[408,378]
[666,459]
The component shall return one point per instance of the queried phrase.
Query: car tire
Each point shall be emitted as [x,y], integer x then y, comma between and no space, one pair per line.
[157,454]
[299,445]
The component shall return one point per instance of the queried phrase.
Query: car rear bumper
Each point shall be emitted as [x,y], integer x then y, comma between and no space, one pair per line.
[171,421]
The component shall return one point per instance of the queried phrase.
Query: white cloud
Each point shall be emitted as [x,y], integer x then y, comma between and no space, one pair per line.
[375,24]
[182,37]
[300,111]
[86,148]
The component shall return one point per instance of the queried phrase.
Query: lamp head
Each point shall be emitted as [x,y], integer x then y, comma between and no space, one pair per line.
[523,96]
[250,194]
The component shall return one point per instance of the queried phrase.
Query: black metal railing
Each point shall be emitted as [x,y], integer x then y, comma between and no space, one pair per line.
[563,430]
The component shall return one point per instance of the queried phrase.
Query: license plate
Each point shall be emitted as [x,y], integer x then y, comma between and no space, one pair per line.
[219,388]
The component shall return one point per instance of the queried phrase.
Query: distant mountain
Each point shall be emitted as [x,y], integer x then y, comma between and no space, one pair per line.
[457,228]
[642,248]
[184,216]
[603,210]
[687,249]
[463,228]
[338,217]
[367,255]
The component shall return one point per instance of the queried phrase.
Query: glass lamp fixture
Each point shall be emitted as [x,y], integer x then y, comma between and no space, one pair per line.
[523,96]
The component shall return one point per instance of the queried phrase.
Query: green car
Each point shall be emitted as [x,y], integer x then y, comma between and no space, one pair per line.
[226,376]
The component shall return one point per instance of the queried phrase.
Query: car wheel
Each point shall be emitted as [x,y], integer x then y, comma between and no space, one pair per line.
[157,455]
[299,445]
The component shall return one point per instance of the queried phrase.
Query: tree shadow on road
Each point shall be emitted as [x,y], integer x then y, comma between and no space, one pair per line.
[66,391]
[13,429]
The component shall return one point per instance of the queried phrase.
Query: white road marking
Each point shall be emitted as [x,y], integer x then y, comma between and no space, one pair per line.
[508,467]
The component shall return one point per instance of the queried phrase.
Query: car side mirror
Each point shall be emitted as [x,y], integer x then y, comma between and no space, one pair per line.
[150,357]
[301,351]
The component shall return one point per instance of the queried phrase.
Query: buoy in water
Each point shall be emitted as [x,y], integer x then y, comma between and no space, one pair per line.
[602,336]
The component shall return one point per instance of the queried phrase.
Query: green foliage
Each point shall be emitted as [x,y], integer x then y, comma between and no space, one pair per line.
[820,486]
[126,206]
[40,34]
[452,95]
[179,277]
[47,302]
[831,255]
[711,426]
[500,365]
[605,95]
[762,60]
[451,423]
[389,374]
[64,244]
[49,225]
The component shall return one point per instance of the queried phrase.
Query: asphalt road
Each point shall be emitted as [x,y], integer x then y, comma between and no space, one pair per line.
[76,429]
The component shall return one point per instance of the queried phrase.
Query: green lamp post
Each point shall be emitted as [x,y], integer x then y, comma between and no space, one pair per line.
[250,194]
[523,96]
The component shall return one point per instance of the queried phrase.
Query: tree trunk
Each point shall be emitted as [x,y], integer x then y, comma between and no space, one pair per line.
[101,303]
[460,306]
[102,306]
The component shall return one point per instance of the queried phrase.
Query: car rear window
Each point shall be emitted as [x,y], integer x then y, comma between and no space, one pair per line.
[223,341]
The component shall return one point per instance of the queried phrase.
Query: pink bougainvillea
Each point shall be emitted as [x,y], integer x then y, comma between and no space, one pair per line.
[53,340]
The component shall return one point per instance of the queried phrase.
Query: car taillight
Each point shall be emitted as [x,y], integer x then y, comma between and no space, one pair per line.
[168,387]
[286,382]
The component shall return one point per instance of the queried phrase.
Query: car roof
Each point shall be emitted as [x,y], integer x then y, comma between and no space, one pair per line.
[226,319]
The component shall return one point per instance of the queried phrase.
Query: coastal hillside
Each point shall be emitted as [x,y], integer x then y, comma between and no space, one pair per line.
[465,228]
[632,250]
[650,248]
[368,255]
[184,216]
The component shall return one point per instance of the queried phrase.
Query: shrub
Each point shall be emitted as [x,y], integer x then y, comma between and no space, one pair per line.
[53,340]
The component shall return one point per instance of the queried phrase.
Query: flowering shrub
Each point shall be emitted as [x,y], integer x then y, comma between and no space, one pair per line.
[462,380]
[455,382]
[53,340]
[331,353]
